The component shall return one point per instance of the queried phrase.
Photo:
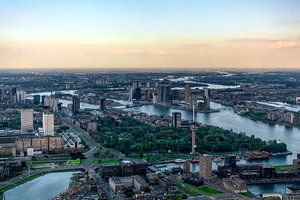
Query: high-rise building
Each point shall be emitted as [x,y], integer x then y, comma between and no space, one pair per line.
[136,90]
[13,95]
[21,96]
[76,104]
[206,99]
[26,120]
[48,124]
[205,163]
[193,100]
[288,117]
[163,95]
[53,104]
[187,93]
[46,101]
[103,104]
[36,99]
[176,119]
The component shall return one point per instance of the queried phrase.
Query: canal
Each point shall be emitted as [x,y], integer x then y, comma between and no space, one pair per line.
[41,188]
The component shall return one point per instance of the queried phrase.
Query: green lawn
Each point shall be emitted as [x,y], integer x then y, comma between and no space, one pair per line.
[284,168]
[188,189]
[108,161]
[208,190]
[195,191]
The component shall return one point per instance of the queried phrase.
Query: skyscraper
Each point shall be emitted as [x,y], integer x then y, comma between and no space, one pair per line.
[13,95]
[193,100]
[36,99]
[205,163]
[26,120]
[21,96]
[136,90]
[163,95]
[187,93]
[76,104]
[46,101]
[103,104]
[206,99]
[176,119]
[48,124]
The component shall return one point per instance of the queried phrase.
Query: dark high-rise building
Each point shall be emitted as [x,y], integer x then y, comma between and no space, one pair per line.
[187,93]
[206,99]
[13,95]
[76,104]
[136,90]
[163,95]
[176,119]
[193,100]
[230,160]
[103,104]
[36,99]
[43,99]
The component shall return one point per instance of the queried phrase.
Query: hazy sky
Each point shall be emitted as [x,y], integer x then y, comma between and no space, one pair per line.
[149,33]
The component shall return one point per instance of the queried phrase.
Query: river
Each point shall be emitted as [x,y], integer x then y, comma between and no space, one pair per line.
[227,119]
[41,188]
[64,101]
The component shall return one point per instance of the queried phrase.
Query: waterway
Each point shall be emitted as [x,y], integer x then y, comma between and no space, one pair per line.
[41,188]
[65,102]
[227,119]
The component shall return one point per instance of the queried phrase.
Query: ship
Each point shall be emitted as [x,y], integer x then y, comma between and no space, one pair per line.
[257,155]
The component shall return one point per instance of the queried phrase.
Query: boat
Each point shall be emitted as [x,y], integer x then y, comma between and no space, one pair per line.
[179,161]
[257,155]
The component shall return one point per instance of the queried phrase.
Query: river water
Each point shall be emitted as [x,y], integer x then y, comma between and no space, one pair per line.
[227,119]
[41,188]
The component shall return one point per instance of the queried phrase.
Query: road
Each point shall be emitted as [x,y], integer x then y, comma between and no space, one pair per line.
[85,136]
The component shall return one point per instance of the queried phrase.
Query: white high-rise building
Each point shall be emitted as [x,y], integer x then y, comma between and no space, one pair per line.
[26,120]
[48,124]
[21,96]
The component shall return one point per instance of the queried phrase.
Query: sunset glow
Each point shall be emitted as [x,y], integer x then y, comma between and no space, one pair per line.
[153,34]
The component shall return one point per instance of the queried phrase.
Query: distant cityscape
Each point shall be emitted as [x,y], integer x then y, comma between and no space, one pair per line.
[175,135]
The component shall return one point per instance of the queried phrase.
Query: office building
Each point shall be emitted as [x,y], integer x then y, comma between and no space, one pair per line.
[46,101]
[193,100]
[13,95]
[53,104]
[36,99]
[21,96]
[136,91]
[176,119]
[163,95]
[26,120]
[187,93]
[288,118]
[103,104]
[205,163]
[48,124]
[76,104]
[206,99]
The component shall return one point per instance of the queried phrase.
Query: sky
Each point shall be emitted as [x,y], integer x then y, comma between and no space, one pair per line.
[149,34]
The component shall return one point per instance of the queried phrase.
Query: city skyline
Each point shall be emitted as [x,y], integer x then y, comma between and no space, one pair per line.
[149,34]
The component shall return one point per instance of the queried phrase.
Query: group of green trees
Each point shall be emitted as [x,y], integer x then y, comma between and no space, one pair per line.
[131,136]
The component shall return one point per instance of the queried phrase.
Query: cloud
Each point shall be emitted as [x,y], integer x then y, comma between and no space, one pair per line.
[283,44]
[269,43]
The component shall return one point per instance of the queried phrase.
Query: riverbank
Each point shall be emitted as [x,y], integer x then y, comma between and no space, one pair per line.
[30,178]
